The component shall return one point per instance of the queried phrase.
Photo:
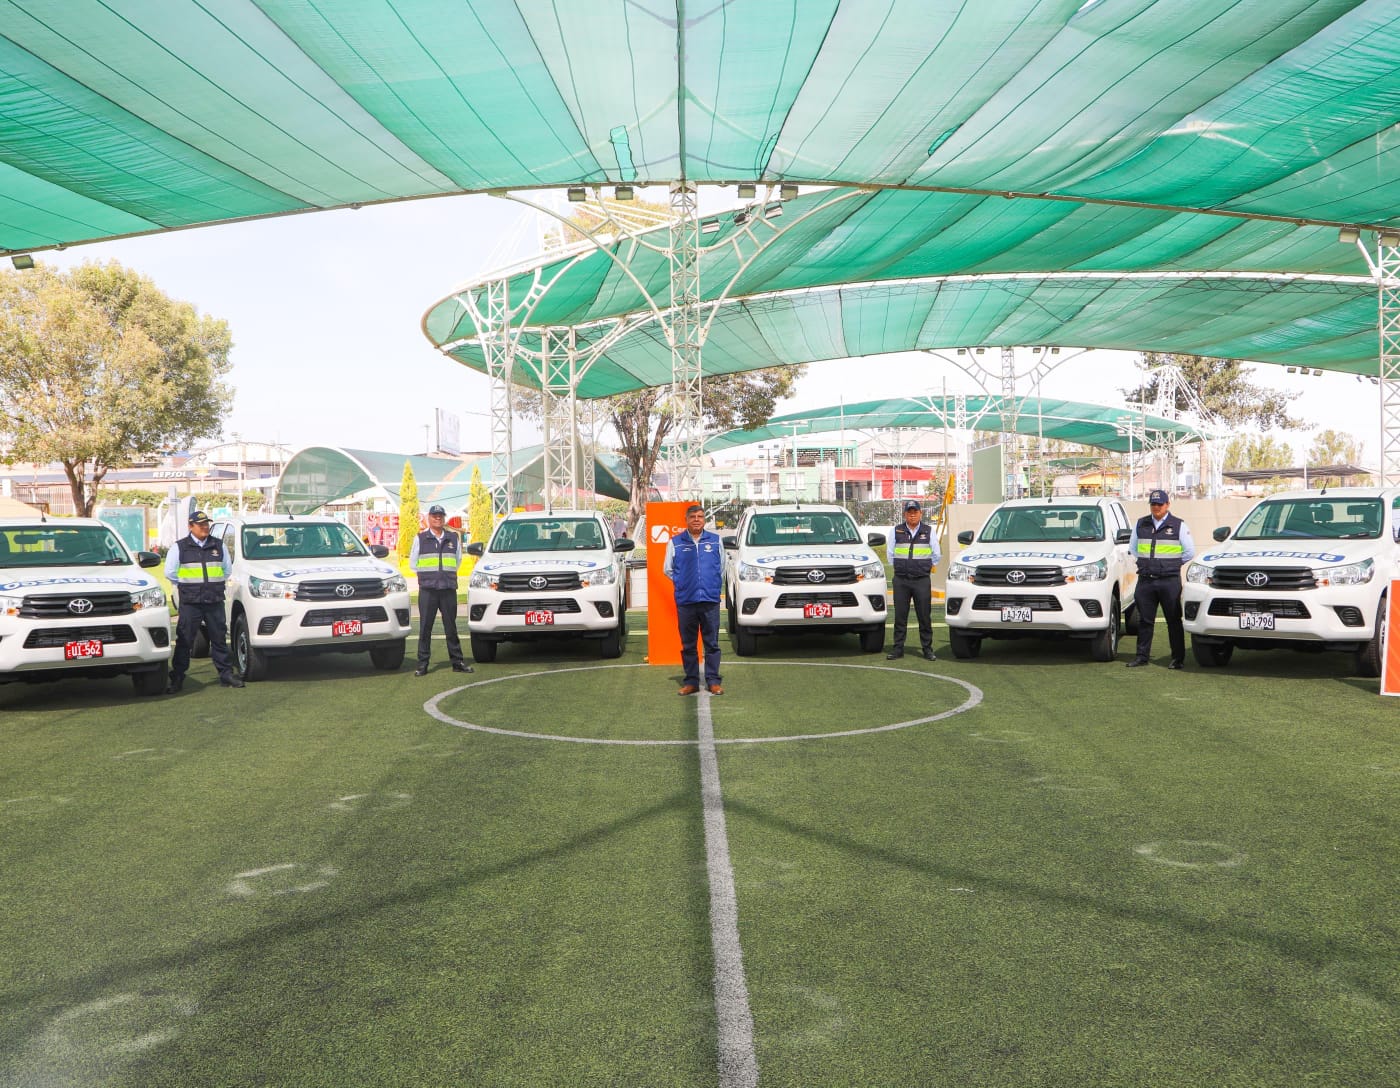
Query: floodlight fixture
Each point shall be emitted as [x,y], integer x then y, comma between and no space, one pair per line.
[22,262]
[577,194]
[1054,351]
[787,192]
[709,226]
[1390,238]
[623,192]
[740,218]
[747,190]
[981,351]
[1292,370]
[962,351]
[1317,373]
[1036,350]
[772,211]
[1348,235]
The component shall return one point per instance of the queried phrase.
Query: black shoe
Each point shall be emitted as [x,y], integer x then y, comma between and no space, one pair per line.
[461,666]
[1136,664]
[1174,665]
[929,655]
[894,655]
[176,685]
[231,681]
[421,670]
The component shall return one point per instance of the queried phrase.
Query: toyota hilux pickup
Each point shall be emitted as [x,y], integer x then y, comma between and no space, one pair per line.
[545,576]
[305,584]
[74,602]
[1042,568]
[803,569]
[1304,570]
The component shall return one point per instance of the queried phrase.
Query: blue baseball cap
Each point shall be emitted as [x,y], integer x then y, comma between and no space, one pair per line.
[1158,497]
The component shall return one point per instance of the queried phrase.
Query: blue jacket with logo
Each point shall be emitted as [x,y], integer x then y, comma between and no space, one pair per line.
[696,567]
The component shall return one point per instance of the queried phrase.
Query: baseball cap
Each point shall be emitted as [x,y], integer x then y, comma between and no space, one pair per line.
[1158,496]
[199,517]
[912,504]
[436,509]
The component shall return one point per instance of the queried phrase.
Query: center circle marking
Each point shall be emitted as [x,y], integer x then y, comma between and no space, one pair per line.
[974,696]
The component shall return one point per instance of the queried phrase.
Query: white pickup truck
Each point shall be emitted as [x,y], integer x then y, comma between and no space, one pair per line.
[803,569]
[1304,570]
[1043,568]
[74,602]
[306,584]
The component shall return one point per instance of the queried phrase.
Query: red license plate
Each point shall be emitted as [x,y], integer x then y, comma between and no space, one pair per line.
[816,611]
[538,615]
[88,647]
[347,627]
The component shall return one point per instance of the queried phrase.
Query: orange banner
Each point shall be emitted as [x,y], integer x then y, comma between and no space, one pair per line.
[664,520]
[1390,671]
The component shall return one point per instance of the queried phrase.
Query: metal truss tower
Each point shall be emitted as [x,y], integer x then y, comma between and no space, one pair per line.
[1387,268]
[559,412]
[498,344]
[686,334]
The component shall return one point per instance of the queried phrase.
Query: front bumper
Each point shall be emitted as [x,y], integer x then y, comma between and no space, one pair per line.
[1059,609]
[854,606]
[591,610]
[282,626]
[135,642]
[1337,614]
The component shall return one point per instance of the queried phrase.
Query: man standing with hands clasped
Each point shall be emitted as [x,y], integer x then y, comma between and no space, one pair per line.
[913,554]
[195,565]
[436,554]
[1162,544]
[695,565]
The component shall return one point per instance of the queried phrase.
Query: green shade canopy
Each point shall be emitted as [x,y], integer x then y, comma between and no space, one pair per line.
[1068,421]
[130,116]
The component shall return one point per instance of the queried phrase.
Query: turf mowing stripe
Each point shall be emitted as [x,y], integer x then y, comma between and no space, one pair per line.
[738,1065]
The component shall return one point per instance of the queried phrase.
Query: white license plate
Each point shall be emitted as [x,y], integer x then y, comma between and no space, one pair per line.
[1256,621]
[347,627]
[88,647]
[816,611]
[1021,613]
[539,616]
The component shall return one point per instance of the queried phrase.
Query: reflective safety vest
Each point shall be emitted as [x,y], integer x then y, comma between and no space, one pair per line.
[1159,550]
[201,574]
[437,561]
[912,553]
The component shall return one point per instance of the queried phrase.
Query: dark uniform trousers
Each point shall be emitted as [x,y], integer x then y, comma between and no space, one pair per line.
[1151,591]
[192,617]
[919,592]
[431,603]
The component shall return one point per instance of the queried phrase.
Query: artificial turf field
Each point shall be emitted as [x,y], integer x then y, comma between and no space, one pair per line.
[1091,876]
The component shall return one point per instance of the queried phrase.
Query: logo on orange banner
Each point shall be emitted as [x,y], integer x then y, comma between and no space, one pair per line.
[664,520]
[1390,651]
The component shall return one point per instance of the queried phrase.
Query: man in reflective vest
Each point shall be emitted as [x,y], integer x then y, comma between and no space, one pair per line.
[1162,544]
[436,554]
[195,565]
[913,554]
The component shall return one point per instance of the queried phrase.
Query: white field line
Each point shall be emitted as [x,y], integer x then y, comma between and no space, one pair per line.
[738,1065]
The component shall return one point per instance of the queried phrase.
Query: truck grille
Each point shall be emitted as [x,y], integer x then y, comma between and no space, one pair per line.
[54,606]
[49,637]
[324,617]
[1280,578]
[537,604]
[360,589]
[995,602]
[1280,606]
[553,579]
[798,600]
[1035,576]
[800,576]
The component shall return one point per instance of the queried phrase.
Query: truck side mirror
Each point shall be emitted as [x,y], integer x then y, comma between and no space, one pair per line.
[476,548]
[623,544]
[965,537]
[379,551]
[876,540]
[1222,534]
[731,542]
[147,559]
[1122,536]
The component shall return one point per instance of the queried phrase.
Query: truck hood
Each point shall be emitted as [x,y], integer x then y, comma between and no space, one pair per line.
[1048,552]
[1277,553]
[821,556]
[71,579]
[507,564]
[297,569]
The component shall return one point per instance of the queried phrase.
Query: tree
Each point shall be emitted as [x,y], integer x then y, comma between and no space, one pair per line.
[98,367]
[1221,386]
[480,514]
[1331,447]
[1246,451]
[408,514]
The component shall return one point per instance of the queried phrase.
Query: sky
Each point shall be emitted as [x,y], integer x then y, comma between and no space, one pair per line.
[326,309]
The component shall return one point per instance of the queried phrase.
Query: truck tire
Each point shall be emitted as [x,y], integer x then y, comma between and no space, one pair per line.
[248,661]
[1104,645]
[872,640]
[201,643]
[1212,655]
[151,682]
[745,641]
[1371,657]
[387,655]
[483,650]
[612,642]
[1130,620]
[965,647]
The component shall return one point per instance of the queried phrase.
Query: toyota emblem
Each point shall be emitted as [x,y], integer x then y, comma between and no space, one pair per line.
[345,589]
[80,606]
[1015,577]
[539,581]
[1256,578]
[816,576]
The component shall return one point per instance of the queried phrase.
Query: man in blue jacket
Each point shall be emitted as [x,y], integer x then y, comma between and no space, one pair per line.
[695,565]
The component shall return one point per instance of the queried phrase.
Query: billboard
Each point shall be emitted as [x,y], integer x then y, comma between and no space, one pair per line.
[449,432]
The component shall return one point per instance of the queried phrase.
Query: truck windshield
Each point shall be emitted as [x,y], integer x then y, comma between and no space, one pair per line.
[300,540]
[1027,524]
[800,530]
[51,545]
[1313,519]
[549,535]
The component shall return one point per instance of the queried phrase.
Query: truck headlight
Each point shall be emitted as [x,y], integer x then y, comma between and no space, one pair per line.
[1199,572]
[267,588]
[397,584]
[1353,574]
[870,571]
[1087,572]
[479,580]
[603,576]
[961,572]
[148,598]
[750,573]
[10,606]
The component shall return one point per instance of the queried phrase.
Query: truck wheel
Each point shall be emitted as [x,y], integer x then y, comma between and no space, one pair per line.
[1130,620]
[483,650]
[1371,657]
[387,655]
[201,643]
[730,623]
[1104,645]
[872,640]
[149,683]
[612,643]
[964,646]
[1212,654]
[248,661]
[745,641]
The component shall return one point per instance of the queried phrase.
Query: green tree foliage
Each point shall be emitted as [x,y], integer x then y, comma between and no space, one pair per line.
[98,367]
[408,514]
[480,515]
[1247,451]
[1331,447]
[1222,387]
